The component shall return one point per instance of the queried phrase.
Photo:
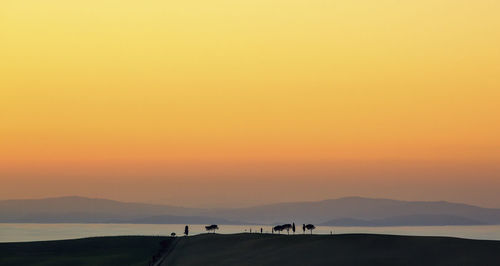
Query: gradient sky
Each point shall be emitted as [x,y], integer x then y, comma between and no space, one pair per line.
[235,102]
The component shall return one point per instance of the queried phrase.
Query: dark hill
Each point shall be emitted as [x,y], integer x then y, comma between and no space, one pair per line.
[116,250]
[349,249]
[255,249]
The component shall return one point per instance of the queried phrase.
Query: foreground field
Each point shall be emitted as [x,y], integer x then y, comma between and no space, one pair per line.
[122,250]
[353,249]
[255,249]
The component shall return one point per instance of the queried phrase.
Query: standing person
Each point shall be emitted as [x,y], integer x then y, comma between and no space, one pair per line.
[261,230]
[304,228]
[186,230]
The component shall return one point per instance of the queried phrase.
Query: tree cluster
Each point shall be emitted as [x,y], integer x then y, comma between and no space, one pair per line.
[212,227]
[284,227]
[310,227]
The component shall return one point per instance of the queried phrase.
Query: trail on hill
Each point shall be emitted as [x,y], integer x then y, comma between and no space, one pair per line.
[167,251]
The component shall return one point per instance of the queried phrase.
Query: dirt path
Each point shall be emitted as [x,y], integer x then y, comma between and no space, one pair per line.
[167,252]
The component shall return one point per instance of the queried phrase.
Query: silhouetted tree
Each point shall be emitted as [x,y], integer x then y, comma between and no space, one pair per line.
[278,228]
[310,227]
[293,228]
[304,228]
[212,227]
[172,234]
[287,227]
[186,230]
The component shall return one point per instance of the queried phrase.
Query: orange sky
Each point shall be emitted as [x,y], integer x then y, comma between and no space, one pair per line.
[204,102]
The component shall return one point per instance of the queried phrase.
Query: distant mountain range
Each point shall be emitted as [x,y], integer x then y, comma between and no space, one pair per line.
[408,220]
[349,211]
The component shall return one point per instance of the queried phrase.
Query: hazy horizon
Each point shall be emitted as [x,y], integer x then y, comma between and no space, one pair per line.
[234,205]
[247,184]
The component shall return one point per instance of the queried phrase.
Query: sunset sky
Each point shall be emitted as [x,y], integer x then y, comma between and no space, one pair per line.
[237,102]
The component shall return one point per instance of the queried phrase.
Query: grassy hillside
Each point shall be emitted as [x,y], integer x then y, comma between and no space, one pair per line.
[349,249]
[256,249]
[123,250]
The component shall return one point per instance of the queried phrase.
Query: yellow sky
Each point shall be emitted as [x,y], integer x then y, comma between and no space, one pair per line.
[231,81]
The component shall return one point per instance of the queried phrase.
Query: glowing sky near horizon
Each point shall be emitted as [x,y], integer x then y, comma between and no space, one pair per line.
[227,102]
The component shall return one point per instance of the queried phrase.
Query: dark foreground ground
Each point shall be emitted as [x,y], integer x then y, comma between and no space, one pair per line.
[349,249]
[120,250]
[256,249]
